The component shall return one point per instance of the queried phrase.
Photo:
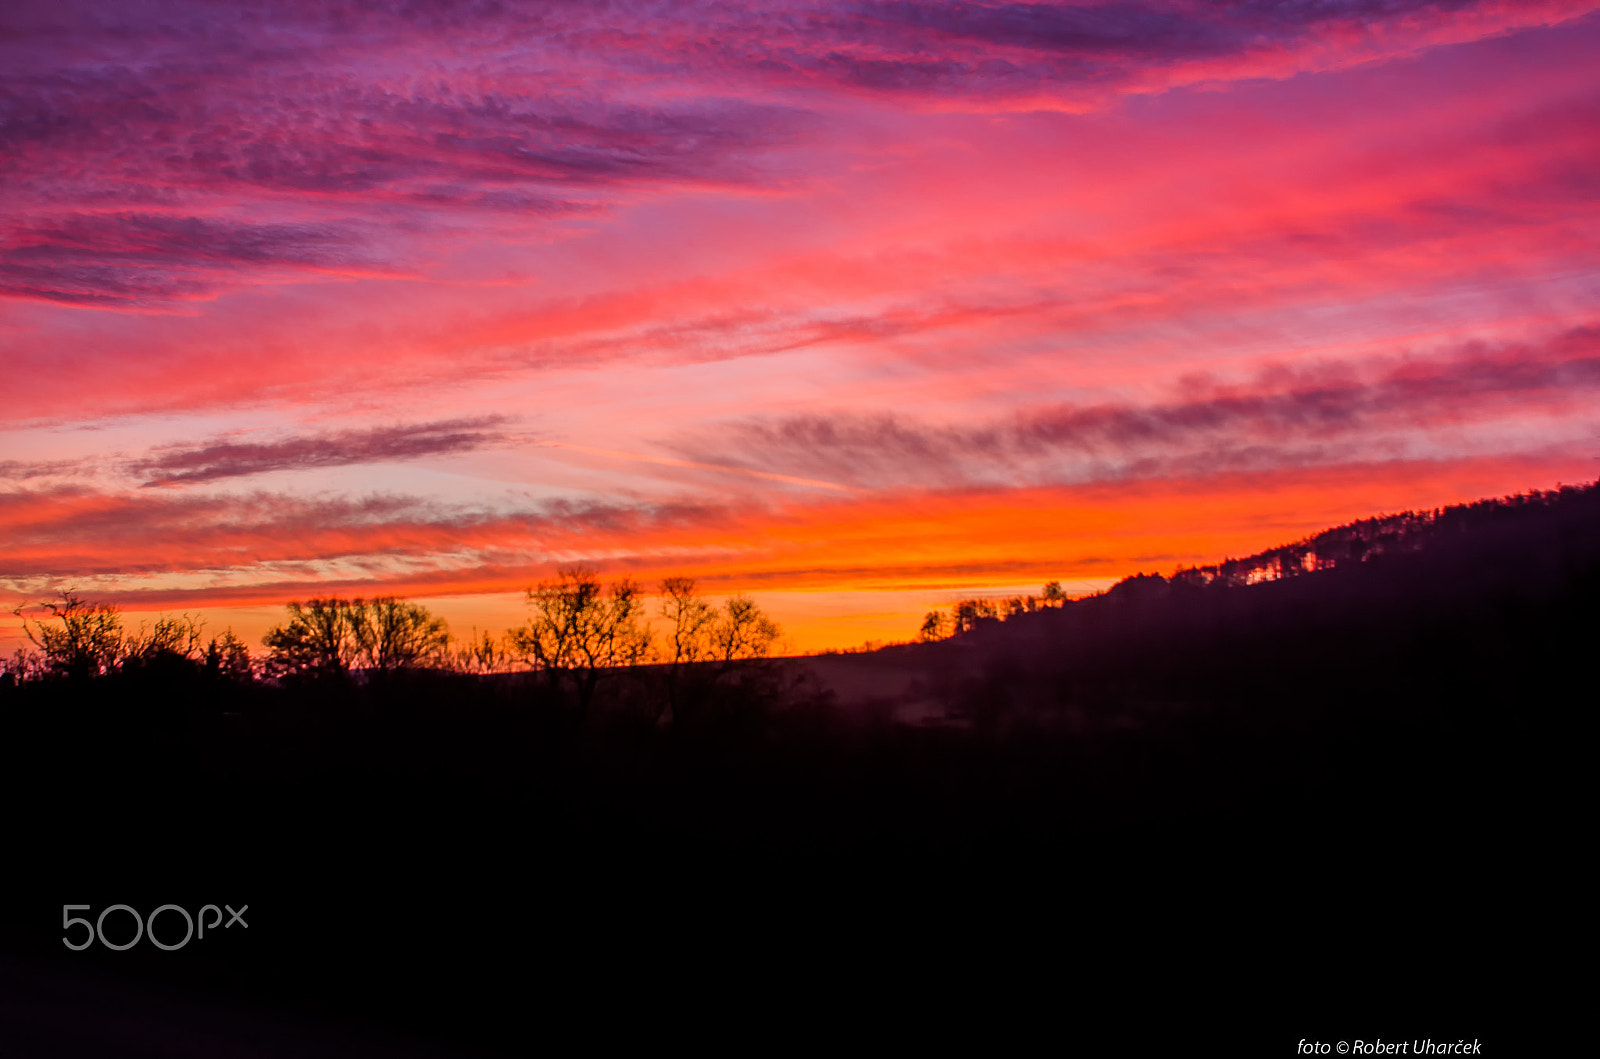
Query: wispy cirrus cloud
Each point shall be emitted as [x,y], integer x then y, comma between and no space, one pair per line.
[139,259]
[1071,54]
[25,470]
[80,531]
[218,459]
[132,137]
[133,141]
[1285,416]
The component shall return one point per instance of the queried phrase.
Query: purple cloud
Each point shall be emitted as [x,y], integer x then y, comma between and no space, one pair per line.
[72,531]
[1285,417]
[178,115]
[222,459]
[142,258]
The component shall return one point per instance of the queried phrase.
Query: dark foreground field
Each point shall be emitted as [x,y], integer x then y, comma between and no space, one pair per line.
[1341,804]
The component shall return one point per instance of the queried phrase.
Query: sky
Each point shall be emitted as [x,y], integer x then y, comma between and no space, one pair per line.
[856,307]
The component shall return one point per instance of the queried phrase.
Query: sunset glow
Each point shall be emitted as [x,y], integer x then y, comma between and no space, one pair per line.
[858,308]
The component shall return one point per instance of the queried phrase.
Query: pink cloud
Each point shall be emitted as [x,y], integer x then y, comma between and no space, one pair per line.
[781,287]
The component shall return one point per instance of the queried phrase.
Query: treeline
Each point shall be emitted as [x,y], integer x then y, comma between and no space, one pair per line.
[579,629]
[77,640]
[968,613]
[1368,539]
[1478,607]
[1351,544]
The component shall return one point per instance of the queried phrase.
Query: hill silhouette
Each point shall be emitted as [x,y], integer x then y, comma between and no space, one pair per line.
[1453,605]
[1351,745]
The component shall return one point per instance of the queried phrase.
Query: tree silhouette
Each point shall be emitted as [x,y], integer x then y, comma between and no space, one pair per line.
[742,632]
[580,629]
[226,657]
[969,612]
[481,653]
[168,641]
[78,639]
[688,641]
[705,642]
[320,639]
[689,619]
[398,634]
[331,637]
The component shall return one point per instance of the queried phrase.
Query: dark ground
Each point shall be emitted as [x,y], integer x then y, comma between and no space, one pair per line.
[1344,804]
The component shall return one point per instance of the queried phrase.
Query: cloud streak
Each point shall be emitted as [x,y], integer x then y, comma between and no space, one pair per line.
[1285,416]
[132,137]
[132,141]
[137,260]
[215,460]
[1075,55]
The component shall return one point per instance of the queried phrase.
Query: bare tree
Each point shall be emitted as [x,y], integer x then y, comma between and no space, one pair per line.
[78,639]
[480,653]
[689,619]
[548,641]
[580,629]
[397,634]
[331,637]
[704,642]
[168,640]
[742,632]
[688,640]
[320,639]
